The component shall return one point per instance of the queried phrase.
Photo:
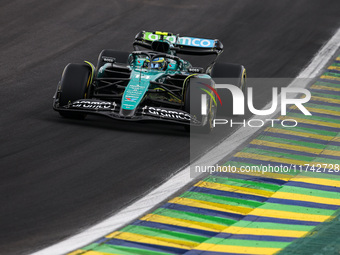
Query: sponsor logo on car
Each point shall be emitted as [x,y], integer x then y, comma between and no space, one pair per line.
[186,41]
[166,113]
[91,104]
[130,99]
[195,70]
[108,59]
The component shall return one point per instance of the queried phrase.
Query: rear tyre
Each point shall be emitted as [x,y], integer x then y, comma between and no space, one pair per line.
[232,74]
[119,56]
[194,107]
[73,86]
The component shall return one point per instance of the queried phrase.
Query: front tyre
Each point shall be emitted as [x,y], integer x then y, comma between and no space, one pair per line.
[74,86]
[193,105]
[232,74]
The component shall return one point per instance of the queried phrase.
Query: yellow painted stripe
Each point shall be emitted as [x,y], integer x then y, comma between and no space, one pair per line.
[324,88]
[237,249]
[326,99]
[83,252]
[313,122]
[334,68]
[77,252]
[183,223]
[307,198]
[289,215]
[155,240]
[318,110]
[264,232]
[331,153]
[238,189]
[338,58]
[286,146]
[211,205]
[336,139]
[329,112]
[298,133]
[271,159]
[330,77]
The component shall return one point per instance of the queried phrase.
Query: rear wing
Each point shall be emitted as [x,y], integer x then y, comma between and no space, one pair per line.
[183,45]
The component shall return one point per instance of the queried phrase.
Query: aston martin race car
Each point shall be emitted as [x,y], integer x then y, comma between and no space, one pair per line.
[150,83]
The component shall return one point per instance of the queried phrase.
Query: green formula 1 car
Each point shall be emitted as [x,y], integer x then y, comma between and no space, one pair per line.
[150,83]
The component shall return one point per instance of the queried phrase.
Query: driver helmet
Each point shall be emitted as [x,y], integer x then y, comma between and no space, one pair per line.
[157,63]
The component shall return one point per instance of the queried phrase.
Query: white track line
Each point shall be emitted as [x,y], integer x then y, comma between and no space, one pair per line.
[182,178]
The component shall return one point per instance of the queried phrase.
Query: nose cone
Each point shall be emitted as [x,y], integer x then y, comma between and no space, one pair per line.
[127,113]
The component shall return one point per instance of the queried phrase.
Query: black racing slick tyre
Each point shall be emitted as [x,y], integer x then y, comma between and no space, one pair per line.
[193,105]
[118,57]
[73,86]
[233,72]
[228,74]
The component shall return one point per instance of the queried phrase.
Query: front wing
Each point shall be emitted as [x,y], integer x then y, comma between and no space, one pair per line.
[112,110]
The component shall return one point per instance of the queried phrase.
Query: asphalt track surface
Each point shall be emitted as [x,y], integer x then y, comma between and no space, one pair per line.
[59,176]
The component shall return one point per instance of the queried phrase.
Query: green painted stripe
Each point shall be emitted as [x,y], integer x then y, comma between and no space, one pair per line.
[277,154]
[241,183]
[317,118]
[317,94]
[310,192]
[327,84]
[323,107]
[333,148]
[297,209]
[292,142]
[320,159]
[147,231]
[332,74]
[194,217]
[221,199]
[270,225]
[123,250]
[247,243]
[320,175]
